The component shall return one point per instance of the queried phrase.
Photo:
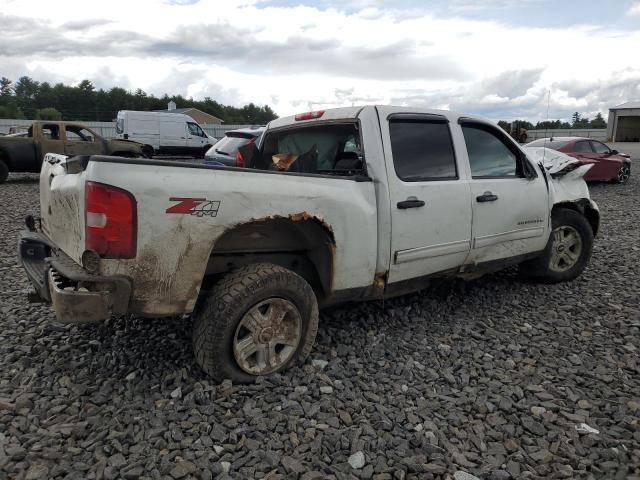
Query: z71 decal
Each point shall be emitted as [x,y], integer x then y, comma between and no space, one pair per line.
[199,207]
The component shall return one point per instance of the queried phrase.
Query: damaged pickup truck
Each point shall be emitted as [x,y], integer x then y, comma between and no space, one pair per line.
[334,206]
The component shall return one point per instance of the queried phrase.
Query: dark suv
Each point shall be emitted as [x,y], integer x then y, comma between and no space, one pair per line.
[225,151]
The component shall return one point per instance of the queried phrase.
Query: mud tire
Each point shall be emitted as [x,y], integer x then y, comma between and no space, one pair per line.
[539,269]
[219,313]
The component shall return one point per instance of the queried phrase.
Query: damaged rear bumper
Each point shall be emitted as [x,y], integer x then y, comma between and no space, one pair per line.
[76,295]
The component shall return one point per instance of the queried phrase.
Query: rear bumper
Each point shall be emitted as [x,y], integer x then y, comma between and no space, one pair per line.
[76,295]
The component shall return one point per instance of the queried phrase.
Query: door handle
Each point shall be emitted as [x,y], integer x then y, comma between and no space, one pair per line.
[410,202]
[487,197]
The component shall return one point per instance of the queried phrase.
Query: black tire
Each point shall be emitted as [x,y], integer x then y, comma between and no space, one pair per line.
[540,269]
[217,318]
[4,171]
[147,151]
[623,174]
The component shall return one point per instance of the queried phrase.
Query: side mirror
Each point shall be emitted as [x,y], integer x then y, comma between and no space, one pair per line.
[613,152]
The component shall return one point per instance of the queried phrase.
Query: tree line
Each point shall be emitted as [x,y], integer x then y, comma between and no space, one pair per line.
[577,121]
[27,98]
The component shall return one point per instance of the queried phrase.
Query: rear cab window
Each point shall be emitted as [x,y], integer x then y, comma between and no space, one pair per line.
[319,148]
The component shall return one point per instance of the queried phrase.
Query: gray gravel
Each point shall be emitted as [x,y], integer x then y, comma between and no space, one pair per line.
[494,378]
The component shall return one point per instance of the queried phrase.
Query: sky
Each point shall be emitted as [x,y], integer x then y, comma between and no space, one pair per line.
[504,59]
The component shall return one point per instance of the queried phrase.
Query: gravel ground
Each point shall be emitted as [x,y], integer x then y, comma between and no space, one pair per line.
[489,377]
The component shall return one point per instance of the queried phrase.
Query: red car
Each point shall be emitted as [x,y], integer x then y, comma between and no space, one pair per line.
[608,165]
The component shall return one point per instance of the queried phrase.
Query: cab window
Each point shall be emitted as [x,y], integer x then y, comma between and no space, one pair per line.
[489,155]
[51,132]
[323,149]
[599,147]
[194,129]
[422,150]
[79,134]
[582,147]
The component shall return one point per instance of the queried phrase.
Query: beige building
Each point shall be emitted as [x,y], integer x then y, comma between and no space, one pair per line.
[199,116]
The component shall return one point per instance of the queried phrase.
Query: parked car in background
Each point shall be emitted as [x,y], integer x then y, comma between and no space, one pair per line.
[225,152]
[21,152]
[608,165]
[164,133]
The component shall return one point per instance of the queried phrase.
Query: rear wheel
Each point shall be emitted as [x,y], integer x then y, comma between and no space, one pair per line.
[568,249]
[4,171]
[623,174]
[257,320]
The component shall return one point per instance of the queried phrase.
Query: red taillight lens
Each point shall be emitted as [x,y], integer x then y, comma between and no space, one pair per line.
[309,115]
[239,160]
[111,221]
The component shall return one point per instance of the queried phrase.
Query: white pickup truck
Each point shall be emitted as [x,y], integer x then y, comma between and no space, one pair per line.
[336,205]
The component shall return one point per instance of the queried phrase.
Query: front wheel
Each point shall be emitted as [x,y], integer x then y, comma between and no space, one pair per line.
[623,174]
[567,252]
[257,320]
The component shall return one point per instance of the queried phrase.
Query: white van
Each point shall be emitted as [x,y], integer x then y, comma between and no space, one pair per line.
[164,133]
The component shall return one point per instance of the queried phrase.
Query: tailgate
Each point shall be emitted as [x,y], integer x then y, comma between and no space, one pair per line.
[62,202]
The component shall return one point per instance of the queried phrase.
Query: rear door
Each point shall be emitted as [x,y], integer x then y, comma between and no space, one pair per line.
[429,193]
[509,195]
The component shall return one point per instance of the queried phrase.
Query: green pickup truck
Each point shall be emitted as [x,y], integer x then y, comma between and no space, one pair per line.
[24,153]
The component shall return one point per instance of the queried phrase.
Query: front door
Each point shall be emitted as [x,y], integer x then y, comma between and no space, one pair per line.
[81,141]
[196,138]
[509,196]
[430,197]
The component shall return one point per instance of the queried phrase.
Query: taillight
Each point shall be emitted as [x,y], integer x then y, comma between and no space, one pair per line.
[111,221]
[309,115]
[239,160]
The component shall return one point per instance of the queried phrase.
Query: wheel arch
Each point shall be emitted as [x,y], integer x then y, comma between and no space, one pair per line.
[584,207]
[299,242]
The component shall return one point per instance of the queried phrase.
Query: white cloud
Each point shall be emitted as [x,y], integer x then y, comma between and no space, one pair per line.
[293,58]
[634,9]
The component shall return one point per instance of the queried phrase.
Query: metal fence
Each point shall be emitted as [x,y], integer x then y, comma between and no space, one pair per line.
[108,129]
[595,133]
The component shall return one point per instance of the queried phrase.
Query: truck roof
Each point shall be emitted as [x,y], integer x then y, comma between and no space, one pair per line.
[60,122]
[349,113]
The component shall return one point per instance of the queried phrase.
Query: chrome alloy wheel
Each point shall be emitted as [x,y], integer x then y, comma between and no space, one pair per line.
[565,249]
[624,173]
[267,336]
